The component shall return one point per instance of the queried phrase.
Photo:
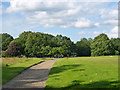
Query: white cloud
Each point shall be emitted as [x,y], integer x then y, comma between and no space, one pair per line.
[83,23]
[54,5]
[64,14]
[82,32]
[64,26]
[54,34]
[96,32]
[0,9]
[50,13]
[111,22]
[113,32]
[109,14]
[80,23]
[37,5]
[44,19]
[97,24]
[50,20]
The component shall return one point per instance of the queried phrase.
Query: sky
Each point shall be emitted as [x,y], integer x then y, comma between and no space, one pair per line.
[66,17]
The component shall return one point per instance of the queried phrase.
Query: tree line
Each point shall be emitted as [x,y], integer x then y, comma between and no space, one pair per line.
[36,44]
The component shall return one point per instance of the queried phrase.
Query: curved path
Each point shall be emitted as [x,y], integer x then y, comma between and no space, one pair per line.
[33,77]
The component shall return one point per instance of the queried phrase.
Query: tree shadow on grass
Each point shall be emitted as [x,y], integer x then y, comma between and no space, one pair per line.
[62,68]
[78,70]
[9,73]
[99,85]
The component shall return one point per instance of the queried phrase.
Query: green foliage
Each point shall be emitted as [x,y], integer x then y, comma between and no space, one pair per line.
[101,45]
[83,47]
[3,54]
[21,40]
[38,44]
[116,52]
[6,39]
[116,43]
[0,44]
[44,45]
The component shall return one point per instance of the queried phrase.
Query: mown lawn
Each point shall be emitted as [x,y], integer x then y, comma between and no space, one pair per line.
[84,72]
[14,66]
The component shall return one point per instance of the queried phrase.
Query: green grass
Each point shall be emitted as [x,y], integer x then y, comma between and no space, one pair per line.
[84,72]
[16,65]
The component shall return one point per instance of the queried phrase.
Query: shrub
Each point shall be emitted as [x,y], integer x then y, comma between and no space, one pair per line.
[116,52]
[12,50]
[3,53]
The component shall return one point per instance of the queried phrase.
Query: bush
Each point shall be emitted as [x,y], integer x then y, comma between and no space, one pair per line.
[3,53]
[116,52]
[12,50]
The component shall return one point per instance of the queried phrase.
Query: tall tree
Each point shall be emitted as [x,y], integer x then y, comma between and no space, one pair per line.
[83,47]
[116,43]
[21,40]
[101,45]
[40,45]
[6,39]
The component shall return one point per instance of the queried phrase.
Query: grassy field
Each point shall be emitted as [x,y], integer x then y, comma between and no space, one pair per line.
[84,72]
[14,66]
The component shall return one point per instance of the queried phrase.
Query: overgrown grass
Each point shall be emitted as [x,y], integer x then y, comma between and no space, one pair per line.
[14,66]
[84,72]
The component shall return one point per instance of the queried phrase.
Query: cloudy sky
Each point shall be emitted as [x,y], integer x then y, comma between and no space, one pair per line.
[67,17]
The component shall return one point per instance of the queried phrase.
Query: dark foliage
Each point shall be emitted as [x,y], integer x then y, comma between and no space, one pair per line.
[6,39]
[83,47]
[116,43]
[13,50]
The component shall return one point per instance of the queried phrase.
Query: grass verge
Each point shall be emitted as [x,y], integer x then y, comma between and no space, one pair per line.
[11,67]
[84,72]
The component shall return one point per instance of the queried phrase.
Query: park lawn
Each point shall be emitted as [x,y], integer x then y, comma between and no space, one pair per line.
[16,65]
[84,72]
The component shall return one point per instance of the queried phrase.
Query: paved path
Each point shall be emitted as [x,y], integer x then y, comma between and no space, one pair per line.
[33,77]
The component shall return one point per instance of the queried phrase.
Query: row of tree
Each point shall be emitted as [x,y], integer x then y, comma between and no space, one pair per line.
[38,44]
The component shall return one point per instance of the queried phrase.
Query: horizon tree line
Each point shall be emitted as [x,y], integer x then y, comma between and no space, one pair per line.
[37,44]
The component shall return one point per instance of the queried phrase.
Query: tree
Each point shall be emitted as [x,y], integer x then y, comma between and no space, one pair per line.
[83,47]
[30,47]
[12,50]
[6,39]
[116,52]
[1,44]
[21,40]
[46,51]
[101,45]
[65,43]
[116,43]
[37,45]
